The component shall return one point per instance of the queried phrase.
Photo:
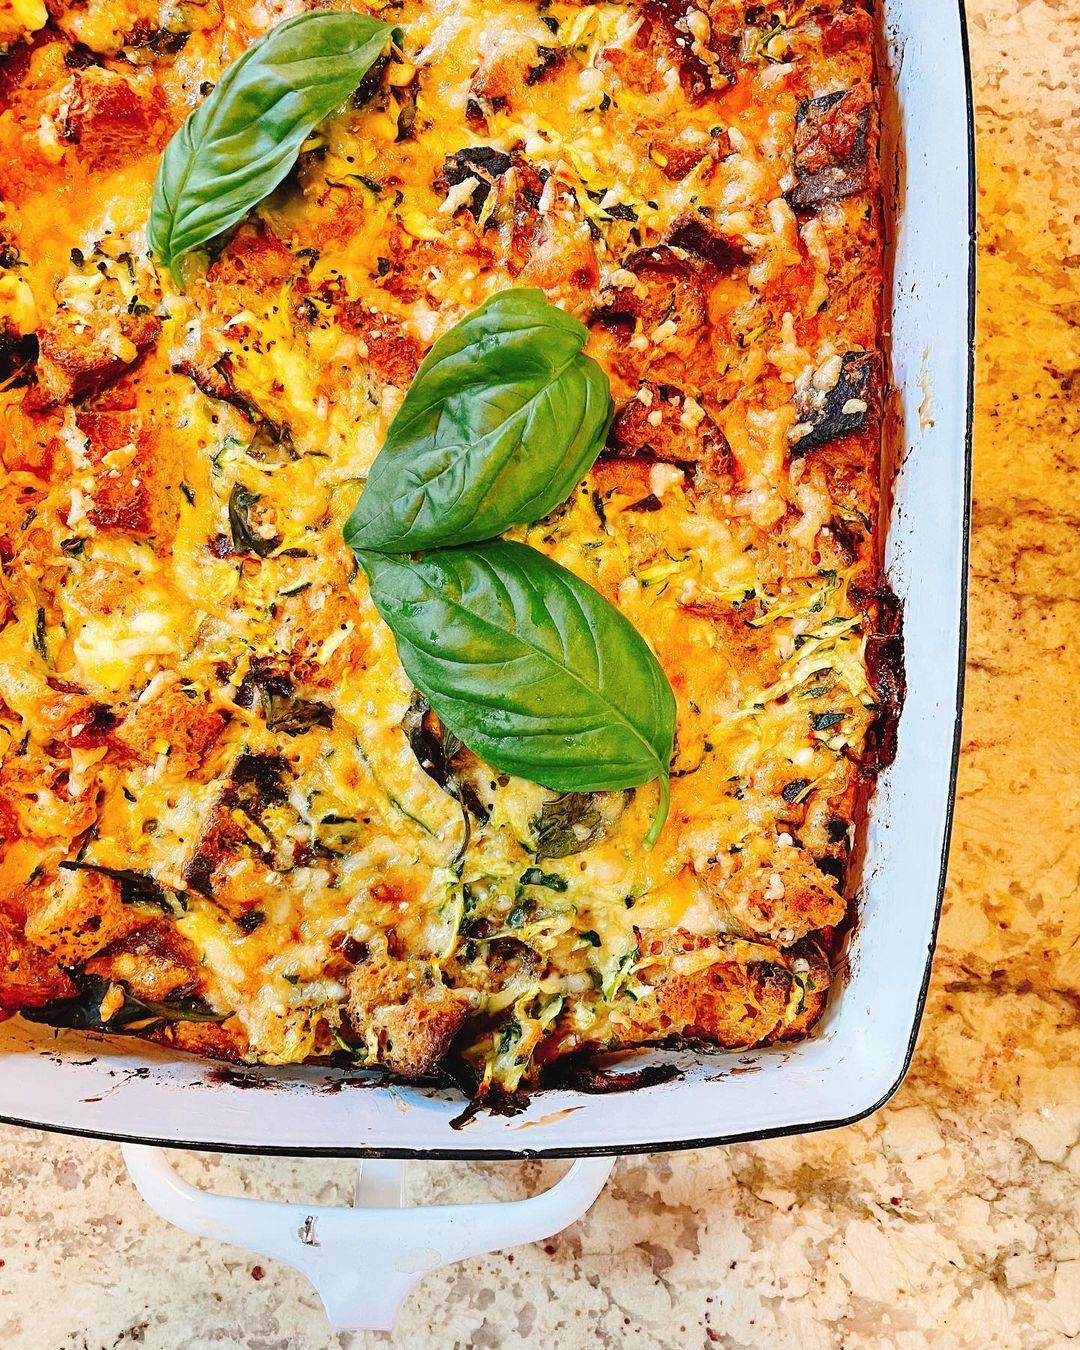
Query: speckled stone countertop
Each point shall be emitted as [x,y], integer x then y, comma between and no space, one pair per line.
[948,1219]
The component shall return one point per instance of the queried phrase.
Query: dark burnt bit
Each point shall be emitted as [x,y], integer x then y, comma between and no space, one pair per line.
[650,503]
[547,60]
[481,162]
[675,274]
[221,546]
[371,85]
[848,537]
[17,357]
[885,671]
[479,109]
[95,730]
[160,41]
[245,1079]
[670,284]
[832,139]
[15,70]
[836,828]
[530,185]
[271,691]
[488,166]
[833,866]
[496,1101]
[353,951]
[256,783]
[846,408]
[212,847]
[215,381]
[79,57]
[693,235]
[443,757]
[579,1075]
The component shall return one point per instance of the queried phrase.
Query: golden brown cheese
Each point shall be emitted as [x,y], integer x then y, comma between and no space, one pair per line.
[227,818]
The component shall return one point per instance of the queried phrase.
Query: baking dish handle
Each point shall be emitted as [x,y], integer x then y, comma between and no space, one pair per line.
[364,1260]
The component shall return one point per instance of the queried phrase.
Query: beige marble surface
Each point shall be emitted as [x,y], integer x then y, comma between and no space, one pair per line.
[951,1217]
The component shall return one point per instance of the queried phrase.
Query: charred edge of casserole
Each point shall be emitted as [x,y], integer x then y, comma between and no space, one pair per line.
[885,669]
[579,1074]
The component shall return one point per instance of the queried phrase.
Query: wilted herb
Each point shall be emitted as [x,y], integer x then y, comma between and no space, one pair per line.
[509,1035]
[40,640]
[136,888]
[533,876]
[244,536]
[282,709]
[574,822]
[134,1016]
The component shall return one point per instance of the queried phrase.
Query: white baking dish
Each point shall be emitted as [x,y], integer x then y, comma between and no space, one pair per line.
[128,1091]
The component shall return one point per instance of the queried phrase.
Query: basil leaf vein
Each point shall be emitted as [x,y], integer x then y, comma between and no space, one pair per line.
[529,666]
[504,417]
[239,144]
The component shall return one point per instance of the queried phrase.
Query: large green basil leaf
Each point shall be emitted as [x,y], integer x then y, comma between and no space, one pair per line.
[504,418]
[533,670]
[239,144]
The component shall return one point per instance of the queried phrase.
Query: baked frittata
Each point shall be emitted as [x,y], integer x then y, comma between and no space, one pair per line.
[228,820]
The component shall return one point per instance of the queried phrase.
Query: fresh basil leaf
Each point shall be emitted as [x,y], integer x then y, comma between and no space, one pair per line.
[533,670]
[504,417]
[238,145]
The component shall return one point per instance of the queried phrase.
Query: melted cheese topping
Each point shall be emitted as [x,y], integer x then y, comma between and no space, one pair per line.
[195,687]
